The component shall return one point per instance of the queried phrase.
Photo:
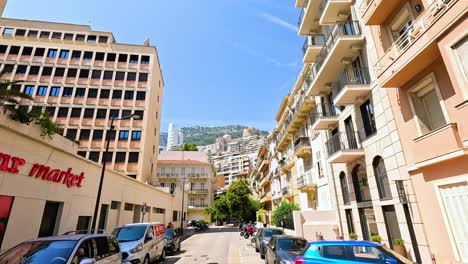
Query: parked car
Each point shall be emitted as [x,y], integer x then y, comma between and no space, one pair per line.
[262,238]
[172,241]
[142,242]
[321,252]
[69,249]
[284,249]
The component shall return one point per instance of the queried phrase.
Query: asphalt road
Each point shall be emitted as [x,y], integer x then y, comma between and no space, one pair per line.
[216,246]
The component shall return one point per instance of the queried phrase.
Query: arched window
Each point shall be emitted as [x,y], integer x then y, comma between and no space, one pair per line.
[360,183]
[381,178]
[344,187]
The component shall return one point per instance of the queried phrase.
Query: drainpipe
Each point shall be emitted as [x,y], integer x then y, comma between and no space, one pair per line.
[340,232]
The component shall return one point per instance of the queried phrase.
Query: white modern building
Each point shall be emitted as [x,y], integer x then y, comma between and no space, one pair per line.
[175,137]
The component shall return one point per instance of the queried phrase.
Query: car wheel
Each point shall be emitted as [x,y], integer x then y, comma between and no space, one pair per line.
[262,253]
[146,261]
[256,249]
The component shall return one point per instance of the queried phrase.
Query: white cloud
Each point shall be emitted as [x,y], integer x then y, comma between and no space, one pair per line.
[278,21]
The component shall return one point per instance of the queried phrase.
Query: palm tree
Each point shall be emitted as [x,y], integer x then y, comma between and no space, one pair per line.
[9,95]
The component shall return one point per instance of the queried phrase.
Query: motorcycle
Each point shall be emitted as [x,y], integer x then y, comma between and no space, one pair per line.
[250,231]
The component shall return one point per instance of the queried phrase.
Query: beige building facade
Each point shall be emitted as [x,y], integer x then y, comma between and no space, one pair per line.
[46,189]
[192,171]
[82,78]
[421,62]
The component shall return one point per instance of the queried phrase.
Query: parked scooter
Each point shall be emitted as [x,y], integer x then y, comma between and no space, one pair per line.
[201,226]
[251,229]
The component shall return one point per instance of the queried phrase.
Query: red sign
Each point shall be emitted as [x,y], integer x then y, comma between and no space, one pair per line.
[11,164]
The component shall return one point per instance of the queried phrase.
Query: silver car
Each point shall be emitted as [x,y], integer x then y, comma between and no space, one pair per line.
[65,249]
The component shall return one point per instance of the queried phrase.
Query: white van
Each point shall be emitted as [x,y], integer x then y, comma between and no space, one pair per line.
[144,242]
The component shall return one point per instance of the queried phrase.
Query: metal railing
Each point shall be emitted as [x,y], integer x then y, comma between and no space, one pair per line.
[301,16]
[198,205]
[343,141]
[286,190]
[413,32]
[350,76]
[365,5]
[313,40]
[201,191]
[322,5]
[304,179]
[321,111]
[301,142]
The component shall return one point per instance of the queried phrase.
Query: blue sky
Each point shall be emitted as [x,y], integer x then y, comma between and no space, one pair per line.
[224,62]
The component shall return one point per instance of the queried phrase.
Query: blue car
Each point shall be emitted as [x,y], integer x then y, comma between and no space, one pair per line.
[321,252]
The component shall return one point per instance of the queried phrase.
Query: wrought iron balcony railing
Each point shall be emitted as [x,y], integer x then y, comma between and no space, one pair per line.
[304,179]
[350,76]
[343,141]
[301,142]
[313,40]
[301,16]
[321,111]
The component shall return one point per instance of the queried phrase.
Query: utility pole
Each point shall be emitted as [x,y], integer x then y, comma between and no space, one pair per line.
[182,211]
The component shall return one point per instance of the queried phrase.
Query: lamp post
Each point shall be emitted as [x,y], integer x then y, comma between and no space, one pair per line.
[104,162]
[182,211]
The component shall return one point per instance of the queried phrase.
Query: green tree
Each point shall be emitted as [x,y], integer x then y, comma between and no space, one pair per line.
[219,209]
[188,147]
[283,210]
[9,95]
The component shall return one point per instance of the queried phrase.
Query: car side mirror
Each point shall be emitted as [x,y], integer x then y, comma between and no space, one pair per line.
[87,261]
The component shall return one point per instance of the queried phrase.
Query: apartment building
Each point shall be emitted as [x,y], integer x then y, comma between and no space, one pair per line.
[262,179]
[175,137]
[421,63]
[82,78]
[193,171]
[231,164]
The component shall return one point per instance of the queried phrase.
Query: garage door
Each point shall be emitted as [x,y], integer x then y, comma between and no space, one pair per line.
[455,199]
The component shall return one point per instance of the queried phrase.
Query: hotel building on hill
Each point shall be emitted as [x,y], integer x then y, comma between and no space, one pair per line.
[82,78]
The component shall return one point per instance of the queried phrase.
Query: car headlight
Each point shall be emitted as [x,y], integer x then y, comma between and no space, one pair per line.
[136,249]
[285,262]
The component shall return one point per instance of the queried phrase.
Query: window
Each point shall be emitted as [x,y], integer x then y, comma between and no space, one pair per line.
[8,31]
[128,95]
[109,156]
[72,73]
[21,69]
[92,38]
[75,112]
[20,32]
[16,87]
[52,53]
[361,184]
[123,57]
[14,50]
[145,59]
[84,73]
[88,113]
[46,71]
[56,35]
[97,134]
[101,114]
[81,154]
[84,134]
[111,134]
[119,76]
[381,178]
[108,75]
[175,215]
[126,112]
[80,92]
[94,156]
[8,68]
[103,39]
[41,91]
[67,92]
[427,105]
[139,113]
[141,96]
[64,54]
[62,112]
[131,76]
[136,135]
[45,34]
[92,93]
[3,49]
[59,72]
[114,113]
[50,110]
[96,74]
[344,188]
[76,55]
[88,55]
[55,91]
[68,36]
[460,51]
[367,113]
[400,27]
[110,57]
[34,70]
[120,157]
[39,52]
[349,220]
[105,93]
[33,33]
[157,210]
[99,56]
[115,205]
[117,94]
[319,165]
[128,207]
[123,135]
[36,109]
[133,157]
[71,134]
[133,59]
[29,89]
[143,77]
[333,252]
[80,37]
[27,51]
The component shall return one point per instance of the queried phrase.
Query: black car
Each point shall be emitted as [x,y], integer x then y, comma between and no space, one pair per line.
[284,249]
[262,238]
[172,241]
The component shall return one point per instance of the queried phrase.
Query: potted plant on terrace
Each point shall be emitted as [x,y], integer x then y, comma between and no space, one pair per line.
[399,247]
[376,239]
[353,236]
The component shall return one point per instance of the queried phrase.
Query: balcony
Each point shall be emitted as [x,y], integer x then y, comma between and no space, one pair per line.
[198,206]
[305,182]
[264,163]
[342,47]
[265,180]
[286,191]
[375,12]
[332,11]
[266,197]
[312,46]
[302,147]
[197,176]
[284,139]
[309,17]
[351,87]
[344,147]
[417,47]
[287,164]
[324,117]
[300,3]
[198,191]
[167,176]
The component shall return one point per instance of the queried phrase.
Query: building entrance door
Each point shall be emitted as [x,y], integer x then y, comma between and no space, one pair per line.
[49,219]
[391,223]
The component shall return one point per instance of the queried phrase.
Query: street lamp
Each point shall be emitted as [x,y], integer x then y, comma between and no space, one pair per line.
[104,162]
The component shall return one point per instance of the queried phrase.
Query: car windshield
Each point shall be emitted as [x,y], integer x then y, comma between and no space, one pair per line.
[39,252]
[129,233]
[271,232]
[291,244]
[169,233]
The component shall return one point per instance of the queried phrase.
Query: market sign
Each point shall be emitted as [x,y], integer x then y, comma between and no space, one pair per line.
[38,171]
